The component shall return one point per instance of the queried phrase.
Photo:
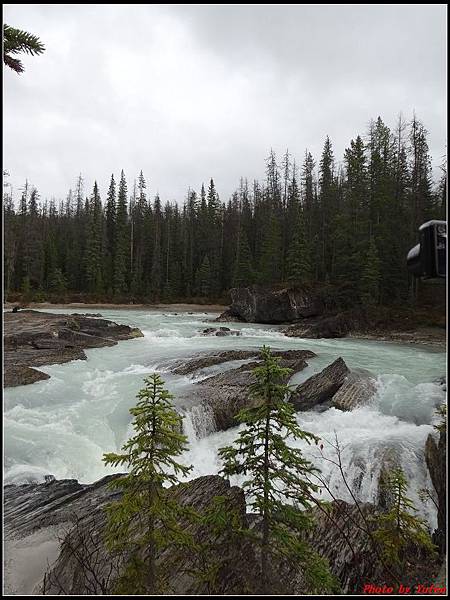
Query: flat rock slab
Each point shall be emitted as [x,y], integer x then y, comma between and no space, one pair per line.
[33,338]
[204,360]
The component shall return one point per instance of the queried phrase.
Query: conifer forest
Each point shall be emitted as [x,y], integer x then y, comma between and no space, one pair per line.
[311,220]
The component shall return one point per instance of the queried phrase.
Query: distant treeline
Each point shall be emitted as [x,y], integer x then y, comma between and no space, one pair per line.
[349,226]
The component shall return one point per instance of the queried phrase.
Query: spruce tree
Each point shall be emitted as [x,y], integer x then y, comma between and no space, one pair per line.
[110,223]
[145,520]
[94,244]
[203,278]
[277,475]
[400,528]
[299,257]
[121,240]
[370,277]
[243,273]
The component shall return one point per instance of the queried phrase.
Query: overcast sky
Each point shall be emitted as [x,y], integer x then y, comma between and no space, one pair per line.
[186,93]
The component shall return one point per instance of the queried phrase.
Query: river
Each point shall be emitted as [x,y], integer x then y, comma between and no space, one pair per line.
[62,426]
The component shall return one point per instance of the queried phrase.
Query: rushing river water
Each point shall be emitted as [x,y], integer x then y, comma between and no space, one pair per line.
[64,425]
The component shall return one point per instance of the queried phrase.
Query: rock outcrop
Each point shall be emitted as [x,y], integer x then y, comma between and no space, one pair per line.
[260,305]
[179,565]
[222,396]
[202,361]
[33,338]
[435,456]
[339,535]
[320,387]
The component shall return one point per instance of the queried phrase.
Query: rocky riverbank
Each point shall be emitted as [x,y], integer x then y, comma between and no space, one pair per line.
[305,314]
[54,543]
[33,338]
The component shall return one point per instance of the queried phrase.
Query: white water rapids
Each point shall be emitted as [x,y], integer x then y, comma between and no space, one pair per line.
[62,426]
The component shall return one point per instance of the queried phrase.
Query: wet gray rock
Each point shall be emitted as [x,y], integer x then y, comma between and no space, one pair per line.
[33,338]
[357,390]
[320,387]
[203,361]
[21,375]
[220,331]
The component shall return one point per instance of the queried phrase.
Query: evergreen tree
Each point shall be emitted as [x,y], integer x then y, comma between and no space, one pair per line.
[271,253]
[57,282]
[145,520]
[121,240]
[203,278]
[94,244]
[156,279]
[277,475]
[299,258]
[400,528]
[243,274]
[110,234]
[370,278]
[16,41]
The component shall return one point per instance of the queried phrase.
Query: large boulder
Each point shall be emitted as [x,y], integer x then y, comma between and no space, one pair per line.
[259,305]
[320,387]
[222,396]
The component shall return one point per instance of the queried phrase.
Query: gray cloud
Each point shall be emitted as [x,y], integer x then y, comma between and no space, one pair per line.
[191,92]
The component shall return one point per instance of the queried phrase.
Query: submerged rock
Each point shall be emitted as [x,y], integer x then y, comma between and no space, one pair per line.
[33,338]
[220,331]
[320,387]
